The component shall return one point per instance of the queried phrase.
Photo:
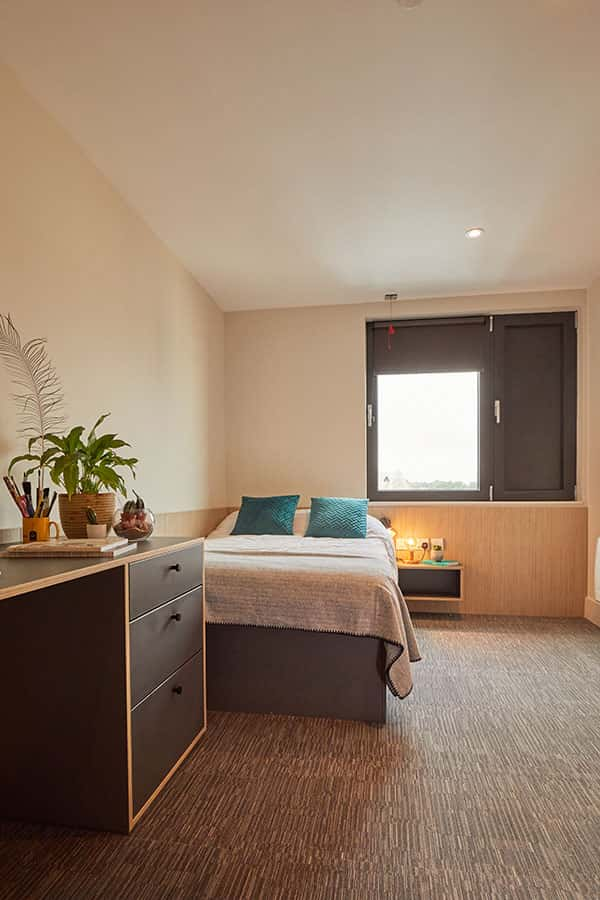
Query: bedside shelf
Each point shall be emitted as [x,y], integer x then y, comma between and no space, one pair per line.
[432,588]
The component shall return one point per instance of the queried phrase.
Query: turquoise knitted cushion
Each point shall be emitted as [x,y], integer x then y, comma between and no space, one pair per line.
[266,515]
[340,517]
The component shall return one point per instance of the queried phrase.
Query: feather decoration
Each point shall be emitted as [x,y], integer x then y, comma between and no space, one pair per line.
[40,396]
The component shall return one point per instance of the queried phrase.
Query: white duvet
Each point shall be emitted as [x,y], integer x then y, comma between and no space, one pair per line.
[348,586]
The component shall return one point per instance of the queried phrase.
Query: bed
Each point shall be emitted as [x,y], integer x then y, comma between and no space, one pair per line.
[306,626]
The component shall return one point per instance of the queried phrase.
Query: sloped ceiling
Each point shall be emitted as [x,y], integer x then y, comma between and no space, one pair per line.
[327,151]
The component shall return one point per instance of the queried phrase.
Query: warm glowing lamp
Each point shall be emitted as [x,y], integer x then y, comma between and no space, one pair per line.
[409,552]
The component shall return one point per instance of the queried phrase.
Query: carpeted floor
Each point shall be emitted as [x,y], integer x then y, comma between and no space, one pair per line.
[485,784]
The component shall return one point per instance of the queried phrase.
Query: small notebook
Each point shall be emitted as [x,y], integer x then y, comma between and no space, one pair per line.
[65,547]
[441,562]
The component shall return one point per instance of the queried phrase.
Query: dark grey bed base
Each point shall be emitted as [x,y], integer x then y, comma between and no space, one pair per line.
[296,673]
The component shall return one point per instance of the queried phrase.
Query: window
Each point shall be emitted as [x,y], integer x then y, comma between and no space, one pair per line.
[473,408]
[434,445]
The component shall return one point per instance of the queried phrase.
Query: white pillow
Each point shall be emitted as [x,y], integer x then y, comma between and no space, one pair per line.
[225,527]
[376,527]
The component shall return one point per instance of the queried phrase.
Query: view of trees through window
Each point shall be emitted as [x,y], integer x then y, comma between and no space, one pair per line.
[428,431]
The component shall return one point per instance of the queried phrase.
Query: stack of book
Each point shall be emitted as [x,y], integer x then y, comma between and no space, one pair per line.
[441,562]
[107,548]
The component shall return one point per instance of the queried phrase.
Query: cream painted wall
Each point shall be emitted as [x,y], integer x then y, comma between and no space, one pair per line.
[295,388]
[593,415]
[129,329]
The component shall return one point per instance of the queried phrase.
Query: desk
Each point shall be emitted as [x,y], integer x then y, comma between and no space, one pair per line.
[102,681]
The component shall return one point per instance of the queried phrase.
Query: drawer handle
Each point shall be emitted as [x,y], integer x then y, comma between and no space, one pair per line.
[176,567]
[178,689]
[177,617]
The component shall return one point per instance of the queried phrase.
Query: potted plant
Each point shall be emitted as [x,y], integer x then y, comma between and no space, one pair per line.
[94,530]
[87,471]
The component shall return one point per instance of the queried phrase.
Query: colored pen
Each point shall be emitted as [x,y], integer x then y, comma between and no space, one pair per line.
[51,504]
[19,501]
[27,493]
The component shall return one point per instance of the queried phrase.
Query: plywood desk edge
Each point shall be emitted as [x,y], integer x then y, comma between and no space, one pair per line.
[95,565]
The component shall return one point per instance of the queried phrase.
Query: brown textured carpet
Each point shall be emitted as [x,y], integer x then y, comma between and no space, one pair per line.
[485,784]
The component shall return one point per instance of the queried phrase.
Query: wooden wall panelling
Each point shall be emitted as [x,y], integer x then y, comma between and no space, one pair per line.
[519,560]
[190,523]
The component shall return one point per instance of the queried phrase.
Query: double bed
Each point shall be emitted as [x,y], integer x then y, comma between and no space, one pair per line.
[305,625]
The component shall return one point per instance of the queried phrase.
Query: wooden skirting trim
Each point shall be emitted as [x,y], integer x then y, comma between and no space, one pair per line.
[191,523]
[10,535]
[520,561]
[592,610]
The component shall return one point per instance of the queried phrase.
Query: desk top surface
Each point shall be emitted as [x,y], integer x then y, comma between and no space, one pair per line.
[20,576]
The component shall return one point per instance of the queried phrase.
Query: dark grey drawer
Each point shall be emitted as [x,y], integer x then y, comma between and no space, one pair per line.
[155,581]
[163,726]
[162,640]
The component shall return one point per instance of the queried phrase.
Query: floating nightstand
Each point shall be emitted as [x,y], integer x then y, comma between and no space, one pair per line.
[431,589]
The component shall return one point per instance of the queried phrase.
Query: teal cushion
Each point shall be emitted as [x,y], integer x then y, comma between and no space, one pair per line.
[266,515]
[339,517]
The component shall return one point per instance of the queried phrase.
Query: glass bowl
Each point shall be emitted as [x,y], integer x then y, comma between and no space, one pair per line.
[136,525]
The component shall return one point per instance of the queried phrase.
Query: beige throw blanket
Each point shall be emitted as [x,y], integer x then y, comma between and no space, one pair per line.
[315,584]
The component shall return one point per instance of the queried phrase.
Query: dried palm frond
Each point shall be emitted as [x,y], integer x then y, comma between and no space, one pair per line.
[40,395]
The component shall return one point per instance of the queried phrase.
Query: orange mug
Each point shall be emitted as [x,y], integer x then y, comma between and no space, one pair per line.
[38,529]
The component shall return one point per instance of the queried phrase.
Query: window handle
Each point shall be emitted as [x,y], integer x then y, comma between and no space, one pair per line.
[370,418]
[497,411]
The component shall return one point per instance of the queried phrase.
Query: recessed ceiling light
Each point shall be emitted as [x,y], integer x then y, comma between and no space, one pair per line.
[409,4]
[474,232]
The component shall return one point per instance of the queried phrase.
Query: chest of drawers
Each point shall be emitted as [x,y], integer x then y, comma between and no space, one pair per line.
[166,644]
[102,682]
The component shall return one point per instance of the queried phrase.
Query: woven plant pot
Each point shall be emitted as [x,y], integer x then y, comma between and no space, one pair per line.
[73,516]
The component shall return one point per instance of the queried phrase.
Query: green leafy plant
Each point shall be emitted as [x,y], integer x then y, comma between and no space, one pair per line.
[80,465]
[91,516]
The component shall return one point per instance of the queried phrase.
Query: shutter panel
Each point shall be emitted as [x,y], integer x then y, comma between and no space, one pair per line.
[431,345]
[535,380]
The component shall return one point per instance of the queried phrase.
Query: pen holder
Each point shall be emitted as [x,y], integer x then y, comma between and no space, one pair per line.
[38,529]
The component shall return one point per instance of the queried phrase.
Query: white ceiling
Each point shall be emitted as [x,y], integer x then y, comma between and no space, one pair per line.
[327,151]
